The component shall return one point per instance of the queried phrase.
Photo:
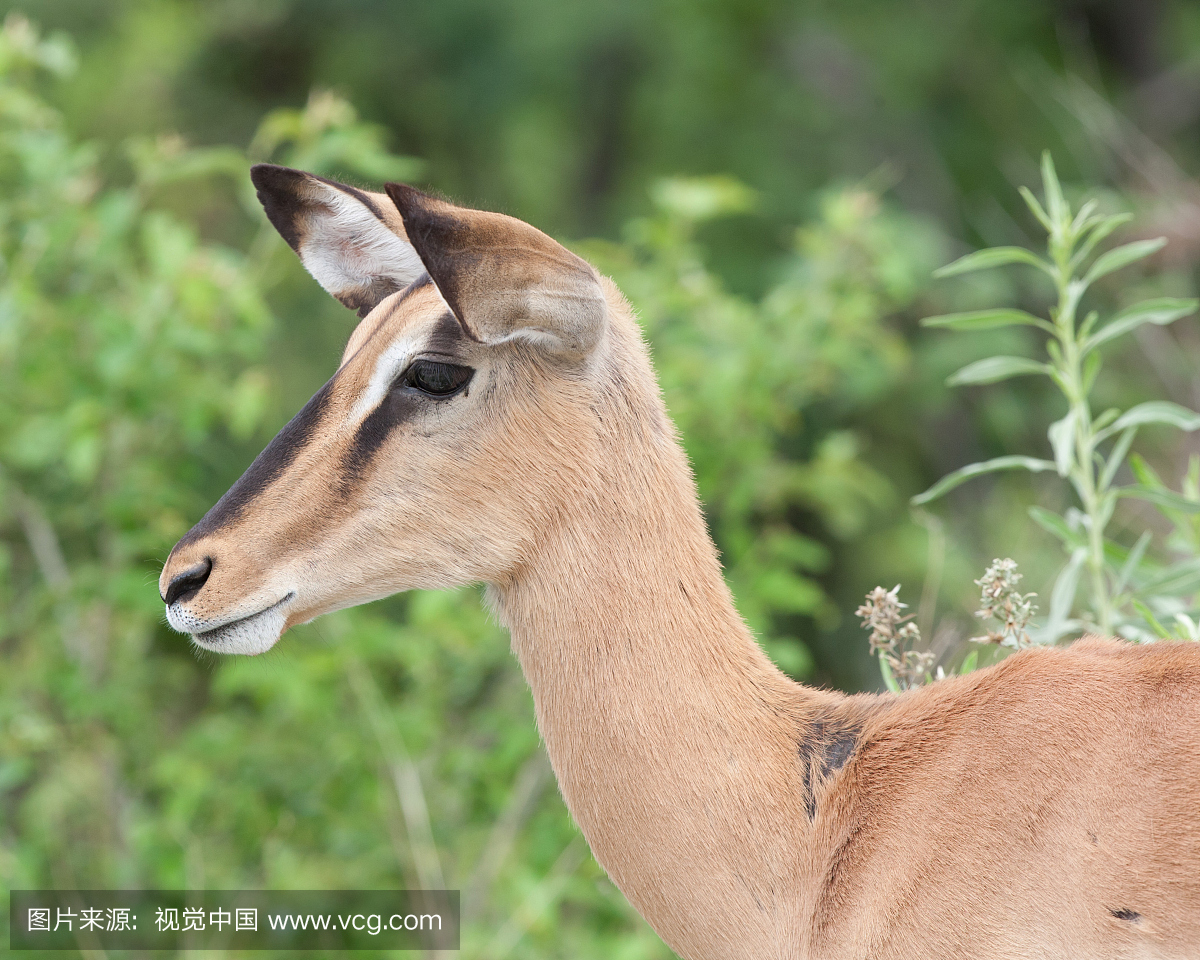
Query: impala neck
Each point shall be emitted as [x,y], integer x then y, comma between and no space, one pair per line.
[673,737]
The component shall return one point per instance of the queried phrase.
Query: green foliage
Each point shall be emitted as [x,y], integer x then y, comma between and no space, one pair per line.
[141,369]
[377,750]
[746,381]
[1130,589]
[124,343]
[387,746]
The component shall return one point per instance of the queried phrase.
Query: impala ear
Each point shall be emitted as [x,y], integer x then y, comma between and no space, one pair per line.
[351,241]
[503,278]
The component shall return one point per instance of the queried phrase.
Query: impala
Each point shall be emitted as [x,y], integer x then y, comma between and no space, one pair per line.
[495,419]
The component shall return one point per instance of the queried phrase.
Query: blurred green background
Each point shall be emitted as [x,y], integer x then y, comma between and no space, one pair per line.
[771,184]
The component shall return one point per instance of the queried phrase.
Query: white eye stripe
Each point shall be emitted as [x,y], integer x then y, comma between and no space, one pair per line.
[395,357]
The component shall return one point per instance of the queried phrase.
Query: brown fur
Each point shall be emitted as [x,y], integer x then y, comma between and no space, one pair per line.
[1046,807]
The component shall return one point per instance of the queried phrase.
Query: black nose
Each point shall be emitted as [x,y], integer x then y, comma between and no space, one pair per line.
[188,584]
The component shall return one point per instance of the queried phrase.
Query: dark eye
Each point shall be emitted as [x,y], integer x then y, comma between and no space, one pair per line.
[436,379]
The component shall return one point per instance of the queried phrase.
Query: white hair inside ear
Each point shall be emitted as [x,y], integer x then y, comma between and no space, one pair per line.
[350,250]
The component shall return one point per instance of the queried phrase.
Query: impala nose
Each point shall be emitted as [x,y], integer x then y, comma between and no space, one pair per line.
[189,583]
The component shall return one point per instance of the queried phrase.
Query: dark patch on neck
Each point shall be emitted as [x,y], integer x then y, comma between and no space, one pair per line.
[825,746]
[1124,913]
[267,466]
[398,406]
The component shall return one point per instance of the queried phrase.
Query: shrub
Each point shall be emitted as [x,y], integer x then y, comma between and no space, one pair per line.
[1131,589]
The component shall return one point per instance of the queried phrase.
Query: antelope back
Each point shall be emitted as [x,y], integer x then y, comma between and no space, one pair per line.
[459,420]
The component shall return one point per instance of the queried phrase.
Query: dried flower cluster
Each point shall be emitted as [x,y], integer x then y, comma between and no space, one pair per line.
[893,635]
[1001,601]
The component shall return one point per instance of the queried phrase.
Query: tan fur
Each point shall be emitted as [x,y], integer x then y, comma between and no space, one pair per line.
[1027,810]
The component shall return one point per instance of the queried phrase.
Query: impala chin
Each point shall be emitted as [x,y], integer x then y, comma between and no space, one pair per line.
[248,634]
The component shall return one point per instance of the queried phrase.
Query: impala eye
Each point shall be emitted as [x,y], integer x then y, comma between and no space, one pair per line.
[436,379]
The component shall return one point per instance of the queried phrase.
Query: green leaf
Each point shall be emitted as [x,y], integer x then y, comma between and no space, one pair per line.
[963,474]
[1036,208]
[1179,579]
[1168,499]
[1091,369]
[702,198]
[969,664]
[889,678]
[1131,562]
[1104,510]
[1122,256]
[1107,417]
[1145,473]
[1116,456]
[781,589]
[1159,311]
[986,319]
[993,257]
[1148,615]
[1158,411]
[1062,442]
[1056,206]
[1062,597]
[993,369]
[1101,229]
[1053,524]
[1081,218]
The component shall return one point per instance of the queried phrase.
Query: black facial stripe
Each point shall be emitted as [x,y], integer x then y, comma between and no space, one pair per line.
[267,466]
[396,409]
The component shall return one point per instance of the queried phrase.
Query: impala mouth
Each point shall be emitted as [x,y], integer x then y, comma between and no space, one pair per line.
[251,634]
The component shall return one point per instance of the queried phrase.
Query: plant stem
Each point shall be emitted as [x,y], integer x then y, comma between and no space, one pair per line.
[1082,471]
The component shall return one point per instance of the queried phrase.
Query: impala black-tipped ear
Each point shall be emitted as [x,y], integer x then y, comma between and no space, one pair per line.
[503,278]
[350,240]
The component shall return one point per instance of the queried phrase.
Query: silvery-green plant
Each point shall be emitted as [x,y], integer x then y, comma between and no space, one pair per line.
[893,638]
[1001,601]
[1130,590]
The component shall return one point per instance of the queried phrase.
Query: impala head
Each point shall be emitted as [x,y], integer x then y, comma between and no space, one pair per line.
[442,444]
